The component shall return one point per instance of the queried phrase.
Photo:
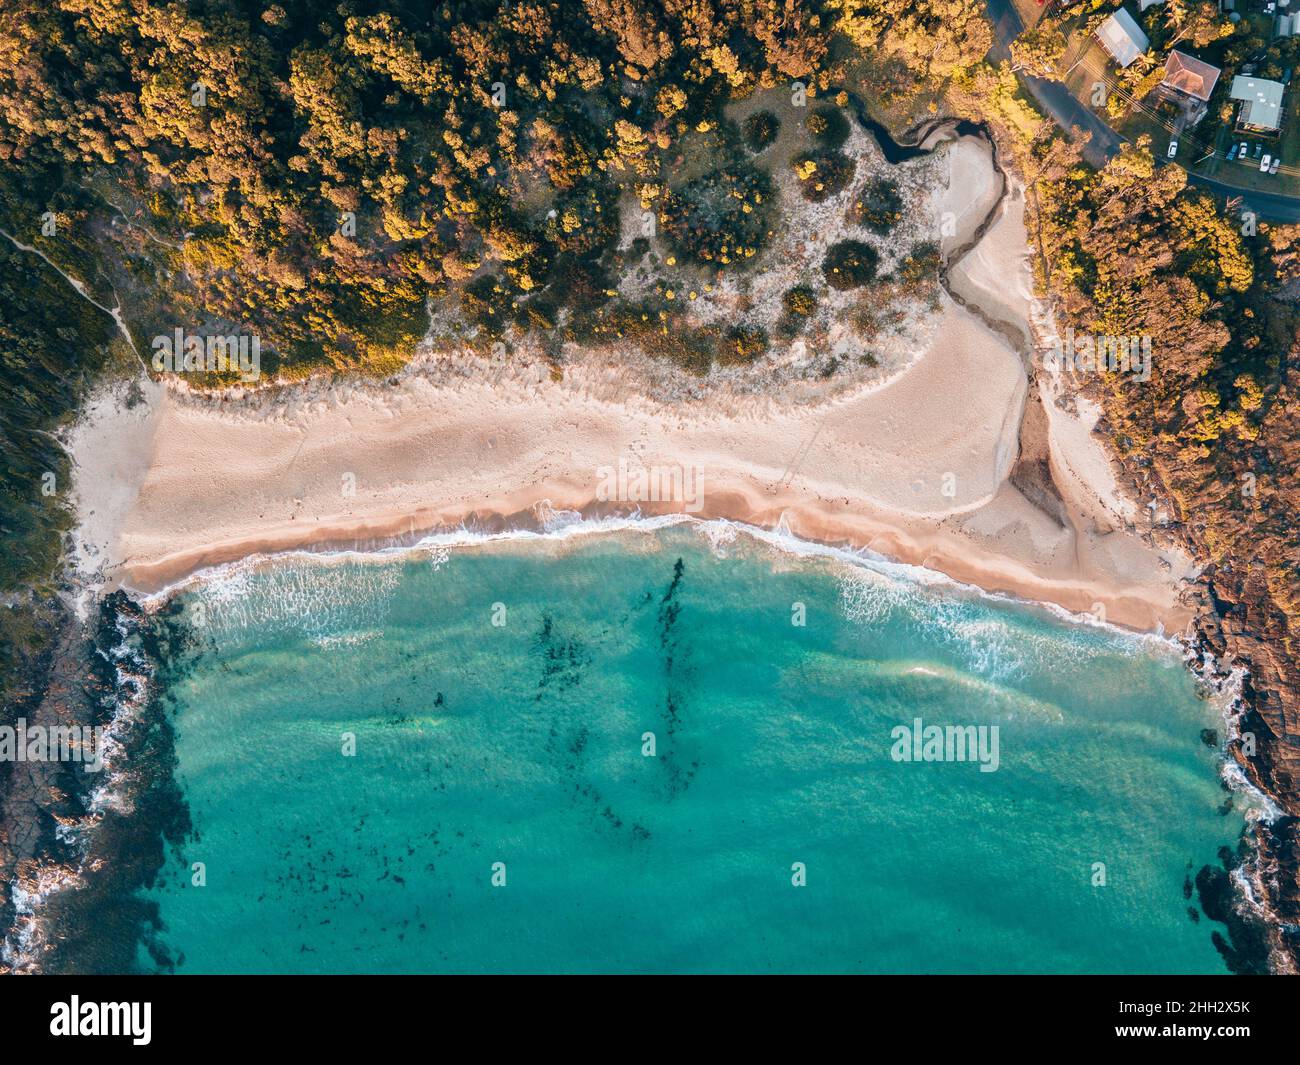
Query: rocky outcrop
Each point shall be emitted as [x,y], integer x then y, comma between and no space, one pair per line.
[37,797]
[94,675]
[1242,625]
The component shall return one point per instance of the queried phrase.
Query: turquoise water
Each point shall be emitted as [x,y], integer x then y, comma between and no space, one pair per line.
[522,743]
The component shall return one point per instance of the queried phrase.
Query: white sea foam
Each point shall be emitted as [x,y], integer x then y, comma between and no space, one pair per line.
[26,941]
[891,581]
[1228,693]
[346,590]
[322,603]
[868,597]
[351,639]
[721,534]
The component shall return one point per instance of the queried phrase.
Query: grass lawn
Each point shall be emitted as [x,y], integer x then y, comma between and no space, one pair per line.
[1290,143]
[1090,64]
[1030,11]
[1084,57]
[1246,174]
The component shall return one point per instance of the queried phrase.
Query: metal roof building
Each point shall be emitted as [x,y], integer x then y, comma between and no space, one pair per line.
[1261,103]
[1122,37]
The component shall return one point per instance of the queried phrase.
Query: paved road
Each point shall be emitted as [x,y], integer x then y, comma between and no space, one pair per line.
[1269,206]
[1069,113]
[1053,97]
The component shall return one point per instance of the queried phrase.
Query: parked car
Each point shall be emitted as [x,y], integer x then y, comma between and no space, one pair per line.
[1173,147]
[1258,148]
[1244,149]
[1232,153]
[1277,161]
[1263,163]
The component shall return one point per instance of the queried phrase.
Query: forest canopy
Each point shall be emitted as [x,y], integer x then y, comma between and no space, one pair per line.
[325,171]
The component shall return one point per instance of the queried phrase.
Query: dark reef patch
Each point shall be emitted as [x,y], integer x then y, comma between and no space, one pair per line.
[101,928]
[676,676]
[1244,948]
[564,658]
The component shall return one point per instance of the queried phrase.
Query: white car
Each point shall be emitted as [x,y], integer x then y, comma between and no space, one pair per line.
[1263,163]
[1277,161]
[1244,149]
[1173,147]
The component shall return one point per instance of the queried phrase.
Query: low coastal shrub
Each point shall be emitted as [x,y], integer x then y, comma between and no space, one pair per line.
[721,218]
[800,301]
[878,207]
[850,264]
[487,303]
[828,127]
[742,344]
[918,273]
[585,221]
[759,130]
[823,174]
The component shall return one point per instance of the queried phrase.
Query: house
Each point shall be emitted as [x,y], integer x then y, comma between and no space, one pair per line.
[1122,37]
[1189,76]
[1261,104]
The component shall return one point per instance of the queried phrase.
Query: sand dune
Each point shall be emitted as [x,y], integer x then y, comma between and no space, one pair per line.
[929,468]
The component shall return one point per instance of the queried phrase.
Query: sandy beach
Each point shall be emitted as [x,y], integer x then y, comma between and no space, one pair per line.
[955,463]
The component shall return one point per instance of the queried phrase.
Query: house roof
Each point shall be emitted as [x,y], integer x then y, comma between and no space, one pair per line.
[1122,37]
[1190,75]
[1261,101]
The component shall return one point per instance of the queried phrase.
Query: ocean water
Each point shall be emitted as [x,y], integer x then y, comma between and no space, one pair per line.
[440,762]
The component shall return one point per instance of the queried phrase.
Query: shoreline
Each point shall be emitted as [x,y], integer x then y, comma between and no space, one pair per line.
[555,526]
[960,462]
[812,525]
[65,895]
[564,526]
[989,535]
[558,526]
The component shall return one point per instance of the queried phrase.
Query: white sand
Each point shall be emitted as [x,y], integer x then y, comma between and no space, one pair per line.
[916,469]
[971,191]
[996,273]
